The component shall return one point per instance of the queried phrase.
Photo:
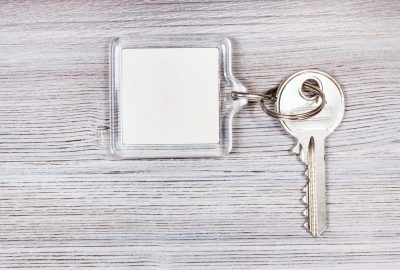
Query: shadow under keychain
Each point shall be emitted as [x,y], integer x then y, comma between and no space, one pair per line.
[176,96]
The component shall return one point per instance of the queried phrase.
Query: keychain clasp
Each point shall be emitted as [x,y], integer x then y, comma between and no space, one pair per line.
[308,86]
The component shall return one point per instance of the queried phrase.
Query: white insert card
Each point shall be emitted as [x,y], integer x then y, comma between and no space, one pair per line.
[170,96]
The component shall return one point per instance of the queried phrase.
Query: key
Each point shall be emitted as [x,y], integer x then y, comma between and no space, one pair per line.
[311,134]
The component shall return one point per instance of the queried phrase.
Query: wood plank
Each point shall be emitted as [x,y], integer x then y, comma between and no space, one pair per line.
[65,203]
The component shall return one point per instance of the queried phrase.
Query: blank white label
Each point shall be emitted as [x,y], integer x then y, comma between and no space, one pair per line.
[170,96]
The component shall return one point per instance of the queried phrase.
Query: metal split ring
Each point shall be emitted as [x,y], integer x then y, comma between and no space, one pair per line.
[271,95]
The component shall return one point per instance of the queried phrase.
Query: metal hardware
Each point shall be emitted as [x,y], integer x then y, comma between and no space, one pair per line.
[307,87]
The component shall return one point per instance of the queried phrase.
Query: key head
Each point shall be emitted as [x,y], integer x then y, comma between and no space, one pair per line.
[292,100]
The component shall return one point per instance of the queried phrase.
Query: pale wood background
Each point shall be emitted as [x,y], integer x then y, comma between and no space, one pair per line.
[64,204]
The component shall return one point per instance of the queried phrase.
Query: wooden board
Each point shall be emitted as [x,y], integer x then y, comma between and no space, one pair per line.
[65,204]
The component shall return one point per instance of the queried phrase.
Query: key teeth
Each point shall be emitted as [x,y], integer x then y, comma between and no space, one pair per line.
[303,157]
[296,148]
[304,199]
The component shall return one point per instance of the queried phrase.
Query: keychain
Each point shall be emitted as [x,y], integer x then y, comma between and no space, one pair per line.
[193,97]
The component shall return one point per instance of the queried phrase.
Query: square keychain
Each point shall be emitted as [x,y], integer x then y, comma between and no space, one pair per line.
[171,97]
[177,96]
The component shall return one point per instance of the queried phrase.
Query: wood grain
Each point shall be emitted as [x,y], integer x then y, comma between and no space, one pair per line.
[65,204]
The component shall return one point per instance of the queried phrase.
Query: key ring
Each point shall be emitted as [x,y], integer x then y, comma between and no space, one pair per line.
[271,95]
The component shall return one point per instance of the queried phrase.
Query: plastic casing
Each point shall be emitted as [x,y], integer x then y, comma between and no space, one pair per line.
[227,106]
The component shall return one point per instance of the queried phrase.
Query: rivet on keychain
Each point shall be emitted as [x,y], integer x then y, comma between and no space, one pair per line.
[193,96]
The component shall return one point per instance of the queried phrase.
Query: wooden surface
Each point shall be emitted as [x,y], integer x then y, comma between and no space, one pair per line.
[64,204]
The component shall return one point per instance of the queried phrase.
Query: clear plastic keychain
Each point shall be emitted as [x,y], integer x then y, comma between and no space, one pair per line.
[171,97]
[176,96]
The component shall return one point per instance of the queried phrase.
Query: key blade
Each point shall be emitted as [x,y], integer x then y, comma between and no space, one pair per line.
[316,186]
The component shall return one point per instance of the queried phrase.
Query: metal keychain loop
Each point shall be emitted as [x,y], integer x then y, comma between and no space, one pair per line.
[271,95]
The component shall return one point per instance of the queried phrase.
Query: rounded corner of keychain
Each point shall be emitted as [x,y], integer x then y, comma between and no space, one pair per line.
[171,96]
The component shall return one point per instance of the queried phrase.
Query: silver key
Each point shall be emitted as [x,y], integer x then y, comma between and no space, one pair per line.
[311,134]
